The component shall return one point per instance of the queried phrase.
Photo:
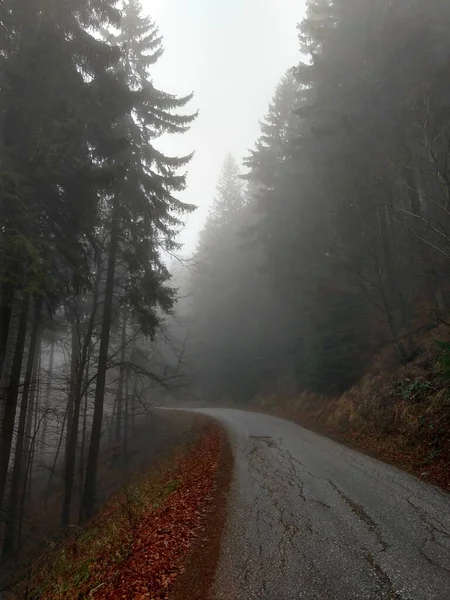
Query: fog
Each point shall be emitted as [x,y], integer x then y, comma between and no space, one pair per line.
[231,55]
[301,252]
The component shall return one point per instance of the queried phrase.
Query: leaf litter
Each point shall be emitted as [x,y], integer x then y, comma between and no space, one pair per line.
[141,540]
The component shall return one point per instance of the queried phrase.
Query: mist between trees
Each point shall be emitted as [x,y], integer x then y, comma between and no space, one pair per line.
[331,241]
[336,241]
[87,214]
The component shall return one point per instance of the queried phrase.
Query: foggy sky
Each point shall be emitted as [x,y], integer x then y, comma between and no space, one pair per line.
[231,54]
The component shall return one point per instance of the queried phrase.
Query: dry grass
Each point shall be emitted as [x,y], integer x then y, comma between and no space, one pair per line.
[151,444]
[70,568]
[399,412]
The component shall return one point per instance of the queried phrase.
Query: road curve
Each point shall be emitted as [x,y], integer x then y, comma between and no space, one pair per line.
[311,519]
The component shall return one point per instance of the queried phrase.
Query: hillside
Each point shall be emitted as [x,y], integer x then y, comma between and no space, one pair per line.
[398,412]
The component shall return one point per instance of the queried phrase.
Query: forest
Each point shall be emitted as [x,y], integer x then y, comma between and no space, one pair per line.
[338,242]
[329,240]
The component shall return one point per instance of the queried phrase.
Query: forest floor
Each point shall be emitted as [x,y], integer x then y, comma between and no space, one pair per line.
[397,413]
[147,539]
[153,434]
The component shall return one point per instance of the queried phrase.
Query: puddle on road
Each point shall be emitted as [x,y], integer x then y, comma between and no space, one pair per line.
[269,441]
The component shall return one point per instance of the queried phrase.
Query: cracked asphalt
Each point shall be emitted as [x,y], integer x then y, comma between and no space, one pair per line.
[310,519]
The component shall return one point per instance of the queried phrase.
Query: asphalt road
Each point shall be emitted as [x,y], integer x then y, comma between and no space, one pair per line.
[311,519]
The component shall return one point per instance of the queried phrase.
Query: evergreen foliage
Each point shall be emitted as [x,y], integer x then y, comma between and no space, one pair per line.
[333,240]
[88,209]
[346,222]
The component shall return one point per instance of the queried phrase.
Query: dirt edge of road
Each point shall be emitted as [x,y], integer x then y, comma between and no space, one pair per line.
[196,582]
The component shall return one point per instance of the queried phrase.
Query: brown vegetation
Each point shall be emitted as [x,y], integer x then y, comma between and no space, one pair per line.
[141,540]
[397,412]
[197,579]
[155,441]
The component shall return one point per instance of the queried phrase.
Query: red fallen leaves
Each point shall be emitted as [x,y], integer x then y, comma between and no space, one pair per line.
[163,537]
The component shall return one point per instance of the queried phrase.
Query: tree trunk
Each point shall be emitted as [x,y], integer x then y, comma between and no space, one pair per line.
[119,396]
[83,432]
[6,298]
[133,408]
[28,478]
[55,459]
[30,428]
[12,392]
[48,391]
[74,364]
[17,476]
[74,406]
[110,421]
[8,358]
[432,286]
[31,449]
[34,394]
[88,500]
[126,418]
[391,287]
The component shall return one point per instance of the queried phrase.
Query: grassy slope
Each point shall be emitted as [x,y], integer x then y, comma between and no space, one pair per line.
[152,439]
[140,539]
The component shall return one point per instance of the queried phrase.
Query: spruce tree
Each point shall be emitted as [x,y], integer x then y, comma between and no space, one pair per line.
[214,284]
[144,210]
[60,98]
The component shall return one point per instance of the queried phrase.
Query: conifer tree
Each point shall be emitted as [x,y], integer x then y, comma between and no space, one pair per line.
[56,137]
[144,210]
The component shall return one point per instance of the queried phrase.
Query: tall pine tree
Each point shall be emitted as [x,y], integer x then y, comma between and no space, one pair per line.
[144,210]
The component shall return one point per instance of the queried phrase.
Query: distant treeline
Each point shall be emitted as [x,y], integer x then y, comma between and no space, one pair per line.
[340,242]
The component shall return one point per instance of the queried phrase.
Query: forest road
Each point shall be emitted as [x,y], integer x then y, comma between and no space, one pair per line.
[310,519]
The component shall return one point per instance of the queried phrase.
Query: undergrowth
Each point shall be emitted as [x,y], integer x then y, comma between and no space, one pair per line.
[142,538]
[70,571]
[400,412]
